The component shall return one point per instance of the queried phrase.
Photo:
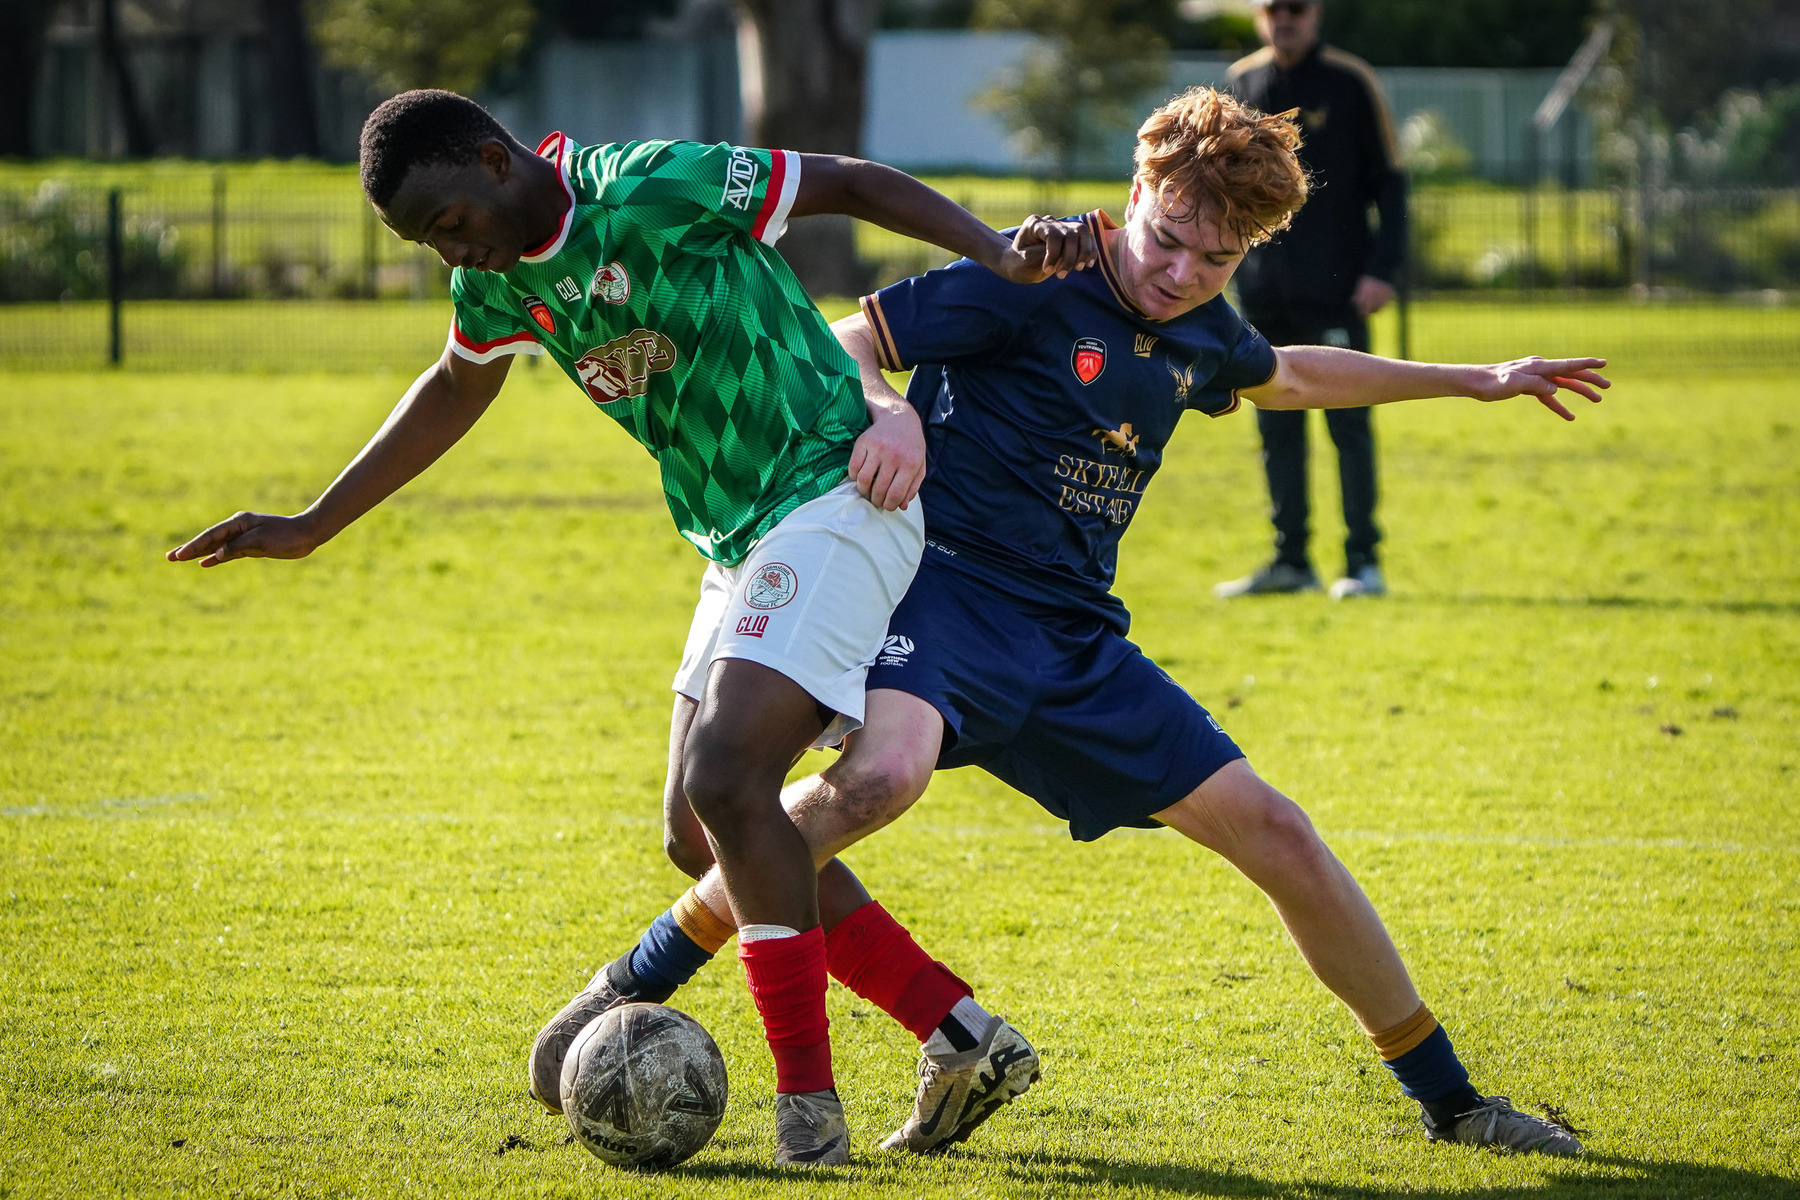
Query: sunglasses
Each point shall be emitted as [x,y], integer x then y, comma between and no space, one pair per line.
[1289,8]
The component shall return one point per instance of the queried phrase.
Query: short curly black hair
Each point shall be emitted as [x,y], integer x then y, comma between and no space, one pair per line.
[419,127]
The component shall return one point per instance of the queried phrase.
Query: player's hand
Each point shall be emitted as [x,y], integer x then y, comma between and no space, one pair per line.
[249,535]
[1372,295]
[888,460]
[1046,246]
[1542,377]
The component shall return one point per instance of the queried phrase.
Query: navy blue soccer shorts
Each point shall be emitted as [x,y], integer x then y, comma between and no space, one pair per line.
[1061,708]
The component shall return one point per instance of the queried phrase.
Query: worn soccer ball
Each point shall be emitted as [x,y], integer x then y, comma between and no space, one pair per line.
[643,1086]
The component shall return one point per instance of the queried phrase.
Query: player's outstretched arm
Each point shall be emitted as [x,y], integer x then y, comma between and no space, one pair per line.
[894,200]
[1329,377]
[441,406]
[888,461]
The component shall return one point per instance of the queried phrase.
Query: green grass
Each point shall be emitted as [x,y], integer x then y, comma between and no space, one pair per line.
[397,335]
[299,855]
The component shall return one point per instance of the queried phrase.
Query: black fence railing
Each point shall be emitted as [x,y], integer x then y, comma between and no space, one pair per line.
[285,266]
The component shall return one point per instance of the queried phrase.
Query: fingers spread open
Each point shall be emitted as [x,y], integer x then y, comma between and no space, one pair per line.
[1554,405]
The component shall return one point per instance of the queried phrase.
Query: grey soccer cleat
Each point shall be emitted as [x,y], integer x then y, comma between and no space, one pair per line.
[957,1092]
[1364,581]
[1497,1124]
[810,1130]
[1278,578]
[554,1039]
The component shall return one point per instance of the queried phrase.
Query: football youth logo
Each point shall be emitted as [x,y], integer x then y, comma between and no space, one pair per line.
[773,585]
[611,284]
[540,312]
[894,651]
[1088,360]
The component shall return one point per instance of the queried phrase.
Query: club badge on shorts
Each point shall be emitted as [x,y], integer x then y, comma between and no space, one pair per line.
[1089,359]
[773,585]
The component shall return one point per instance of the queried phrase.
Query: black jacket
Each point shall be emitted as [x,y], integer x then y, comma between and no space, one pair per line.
[1309,271]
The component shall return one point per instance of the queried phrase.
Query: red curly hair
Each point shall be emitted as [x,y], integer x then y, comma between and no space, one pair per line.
[1210,148]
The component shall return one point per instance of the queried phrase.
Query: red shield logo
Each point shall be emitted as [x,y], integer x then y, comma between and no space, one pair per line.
[1089,359]
[540,312]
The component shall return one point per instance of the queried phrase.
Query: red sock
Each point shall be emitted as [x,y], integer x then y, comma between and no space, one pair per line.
[787,981]
[872,954]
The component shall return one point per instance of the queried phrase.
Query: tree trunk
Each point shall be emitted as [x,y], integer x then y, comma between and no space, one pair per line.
[21,49]
[138,141]
[804,64]
[293,120]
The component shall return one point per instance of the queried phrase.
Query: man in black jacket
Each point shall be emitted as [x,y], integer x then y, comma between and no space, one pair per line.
[1321,279]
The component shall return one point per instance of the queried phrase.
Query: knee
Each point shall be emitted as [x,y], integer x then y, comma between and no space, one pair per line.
[688,849]
[1283,834]
[872,790]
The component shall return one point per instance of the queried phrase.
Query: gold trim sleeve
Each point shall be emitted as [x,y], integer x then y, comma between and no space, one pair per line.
[700,923]
[1392,1043]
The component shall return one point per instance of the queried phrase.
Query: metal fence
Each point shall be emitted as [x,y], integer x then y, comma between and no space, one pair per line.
[285,267]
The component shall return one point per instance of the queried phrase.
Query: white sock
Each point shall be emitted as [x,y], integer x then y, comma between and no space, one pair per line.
[970,1015]
[764,933]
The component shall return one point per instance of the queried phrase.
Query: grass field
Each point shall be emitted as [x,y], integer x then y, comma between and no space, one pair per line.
[298,856]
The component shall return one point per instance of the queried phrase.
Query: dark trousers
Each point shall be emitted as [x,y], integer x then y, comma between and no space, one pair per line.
[1284,456]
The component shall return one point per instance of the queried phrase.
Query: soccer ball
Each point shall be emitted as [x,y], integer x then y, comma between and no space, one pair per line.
[643,1086]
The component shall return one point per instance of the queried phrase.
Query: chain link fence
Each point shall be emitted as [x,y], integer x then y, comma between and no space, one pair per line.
[282,266]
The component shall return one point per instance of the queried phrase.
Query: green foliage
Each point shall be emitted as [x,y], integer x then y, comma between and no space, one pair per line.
[1091,77]
[1752,139]
[1468,33]
[401,44]
[55,249]
[299,855]
[1431,151]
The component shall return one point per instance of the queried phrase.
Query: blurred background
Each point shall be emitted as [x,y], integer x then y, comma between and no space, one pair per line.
[178,189]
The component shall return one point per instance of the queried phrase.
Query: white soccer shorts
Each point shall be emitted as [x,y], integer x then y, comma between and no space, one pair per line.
[812,601]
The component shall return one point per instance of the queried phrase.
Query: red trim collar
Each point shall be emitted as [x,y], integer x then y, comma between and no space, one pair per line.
[556,149]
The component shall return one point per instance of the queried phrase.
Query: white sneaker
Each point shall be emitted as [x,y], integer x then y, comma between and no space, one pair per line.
[810,1130]
[544,1068]
[957,1092]
[1276,579]
[1497,1124]
[1365,581]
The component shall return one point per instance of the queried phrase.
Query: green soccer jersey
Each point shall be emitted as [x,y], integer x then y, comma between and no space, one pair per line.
[662,296]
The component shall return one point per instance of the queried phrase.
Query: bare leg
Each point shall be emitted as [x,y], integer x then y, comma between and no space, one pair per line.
[750,725]
[883,769]
[1270,839]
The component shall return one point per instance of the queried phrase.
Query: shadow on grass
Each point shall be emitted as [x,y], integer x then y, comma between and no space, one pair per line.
[1082,1175]
[1656,603]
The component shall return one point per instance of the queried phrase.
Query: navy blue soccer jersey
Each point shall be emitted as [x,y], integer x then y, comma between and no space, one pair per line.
[1046,409]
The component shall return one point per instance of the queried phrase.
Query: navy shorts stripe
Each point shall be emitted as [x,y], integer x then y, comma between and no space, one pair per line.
[1061,708]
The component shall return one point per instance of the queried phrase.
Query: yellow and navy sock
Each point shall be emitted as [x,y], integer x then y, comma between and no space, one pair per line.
[676,945]
[1420,1055]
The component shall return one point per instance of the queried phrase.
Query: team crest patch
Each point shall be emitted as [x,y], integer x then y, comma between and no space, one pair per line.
[540,312]
[611,284]
[773,585]
[1089,359]
[622,368]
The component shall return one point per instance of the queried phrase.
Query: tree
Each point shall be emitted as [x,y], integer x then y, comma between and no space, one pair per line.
[1467,33]
[1089,76]
[293,117]
[803,87]
[401,44]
